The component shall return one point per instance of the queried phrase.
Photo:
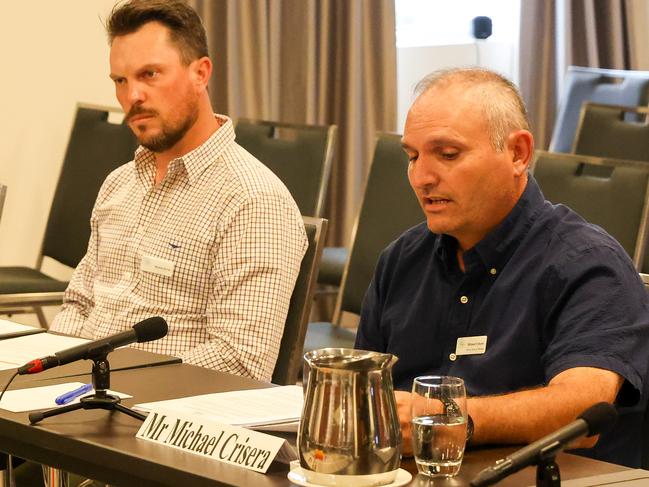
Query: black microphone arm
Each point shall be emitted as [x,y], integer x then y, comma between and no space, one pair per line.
[595,420]
[144,331]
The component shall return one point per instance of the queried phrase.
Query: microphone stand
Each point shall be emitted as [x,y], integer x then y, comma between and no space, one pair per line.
[99,400]
[547,473]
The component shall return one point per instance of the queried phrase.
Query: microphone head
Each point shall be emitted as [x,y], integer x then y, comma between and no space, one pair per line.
[600,418]
[150,329]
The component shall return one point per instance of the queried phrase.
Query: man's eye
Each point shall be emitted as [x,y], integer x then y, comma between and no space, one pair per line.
[449,156]
[119,81]
[150,74]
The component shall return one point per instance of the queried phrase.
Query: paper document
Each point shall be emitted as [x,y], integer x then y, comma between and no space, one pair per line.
[290,427]
[250,408]
[19,351]
[42,397]
[10,329]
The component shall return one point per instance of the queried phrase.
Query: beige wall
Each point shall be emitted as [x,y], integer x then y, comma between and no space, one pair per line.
[53,54]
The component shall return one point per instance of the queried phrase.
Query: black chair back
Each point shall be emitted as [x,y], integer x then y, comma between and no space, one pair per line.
[389,208]
[95,148]
[300,155]
[613,131]
[611,86]
[289,360]
[616,202]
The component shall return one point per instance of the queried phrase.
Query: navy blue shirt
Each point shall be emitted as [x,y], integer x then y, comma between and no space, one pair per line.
[550,292]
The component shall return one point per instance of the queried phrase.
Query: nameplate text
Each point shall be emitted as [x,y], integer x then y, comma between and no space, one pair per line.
[225,443]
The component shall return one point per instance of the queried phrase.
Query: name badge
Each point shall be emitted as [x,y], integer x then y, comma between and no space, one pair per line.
[471,345]
[156,265]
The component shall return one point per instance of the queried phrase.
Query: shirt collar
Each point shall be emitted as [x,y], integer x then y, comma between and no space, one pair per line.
[496,248]
[195,161]
[446,251]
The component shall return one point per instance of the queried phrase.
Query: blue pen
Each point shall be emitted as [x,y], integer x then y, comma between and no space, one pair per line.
[72,395]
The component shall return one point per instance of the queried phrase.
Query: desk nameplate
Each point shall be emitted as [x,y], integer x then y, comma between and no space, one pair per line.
[222,442]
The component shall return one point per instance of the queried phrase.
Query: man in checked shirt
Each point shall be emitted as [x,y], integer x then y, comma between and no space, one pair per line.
[194,229]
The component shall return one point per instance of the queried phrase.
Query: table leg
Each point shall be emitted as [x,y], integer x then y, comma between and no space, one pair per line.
[6,471]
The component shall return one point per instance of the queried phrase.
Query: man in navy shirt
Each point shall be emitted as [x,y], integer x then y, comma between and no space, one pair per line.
[541,313]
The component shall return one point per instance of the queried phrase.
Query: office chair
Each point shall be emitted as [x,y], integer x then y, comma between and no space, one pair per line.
[289,360]
[389,207]
[95,148]
[645,280]
[399,199]
[611,86]
[618,201]
[300,155]
[613,131]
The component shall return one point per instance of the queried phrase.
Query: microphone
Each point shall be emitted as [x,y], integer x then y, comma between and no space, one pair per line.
[144,331]
[595,420]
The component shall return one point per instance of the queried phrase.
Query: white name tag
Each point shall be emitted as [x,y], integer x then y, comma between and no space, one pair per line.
[156,265]
[222,442]
[471,345]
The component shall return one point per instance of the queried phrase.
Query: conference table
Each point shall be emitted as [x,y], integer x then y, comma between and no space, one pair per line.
[102,444]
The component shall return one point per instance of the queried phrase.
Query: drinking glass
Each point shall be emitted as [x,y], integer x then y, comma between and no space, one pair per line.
[439,423]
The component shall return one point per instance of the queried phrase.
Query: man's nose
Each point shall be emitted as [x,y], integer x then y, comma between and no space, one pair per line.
[422,173]
[136,93]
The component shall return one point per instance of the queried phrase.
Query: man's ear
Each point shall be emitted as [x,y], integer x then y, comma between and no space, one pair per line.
[521,146]
[201,70]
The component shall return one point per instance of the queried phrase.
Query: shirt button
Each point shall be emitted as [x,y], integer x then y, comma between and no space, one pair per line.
[127,275]
[493,271]
[452,357]
[464,300]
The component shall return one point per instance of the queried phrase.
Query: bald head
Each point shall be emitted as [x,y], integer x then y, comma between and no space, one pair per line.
[496,96]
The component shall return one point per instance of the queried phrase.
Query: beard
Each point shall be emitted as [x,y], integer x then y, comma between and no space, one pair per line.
[171,132]
[168,137]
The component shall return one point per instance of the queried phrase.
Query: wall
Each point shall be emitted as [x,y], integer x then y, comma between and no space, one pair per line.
[413,63]
[54,55]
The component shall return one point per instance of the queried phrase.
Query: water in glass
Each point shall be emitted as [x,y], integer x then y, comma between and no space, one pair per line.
[438,442]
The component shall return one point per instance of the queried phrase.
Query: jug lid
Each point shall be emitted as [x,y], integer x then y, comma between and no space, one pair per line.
[349,359]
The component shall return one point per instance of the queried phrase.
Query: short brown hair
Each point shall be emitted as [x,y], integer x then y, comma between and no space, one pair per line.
[498,97]
[184,24]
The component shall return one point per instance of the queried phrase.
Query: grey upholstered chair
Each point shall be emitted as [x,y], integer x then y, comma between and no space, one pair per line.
[645,280]
[389,207]
[96,147]
[289,360]
[611,86]
[613,194]
[613,131]
[300,155]
[391,196]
